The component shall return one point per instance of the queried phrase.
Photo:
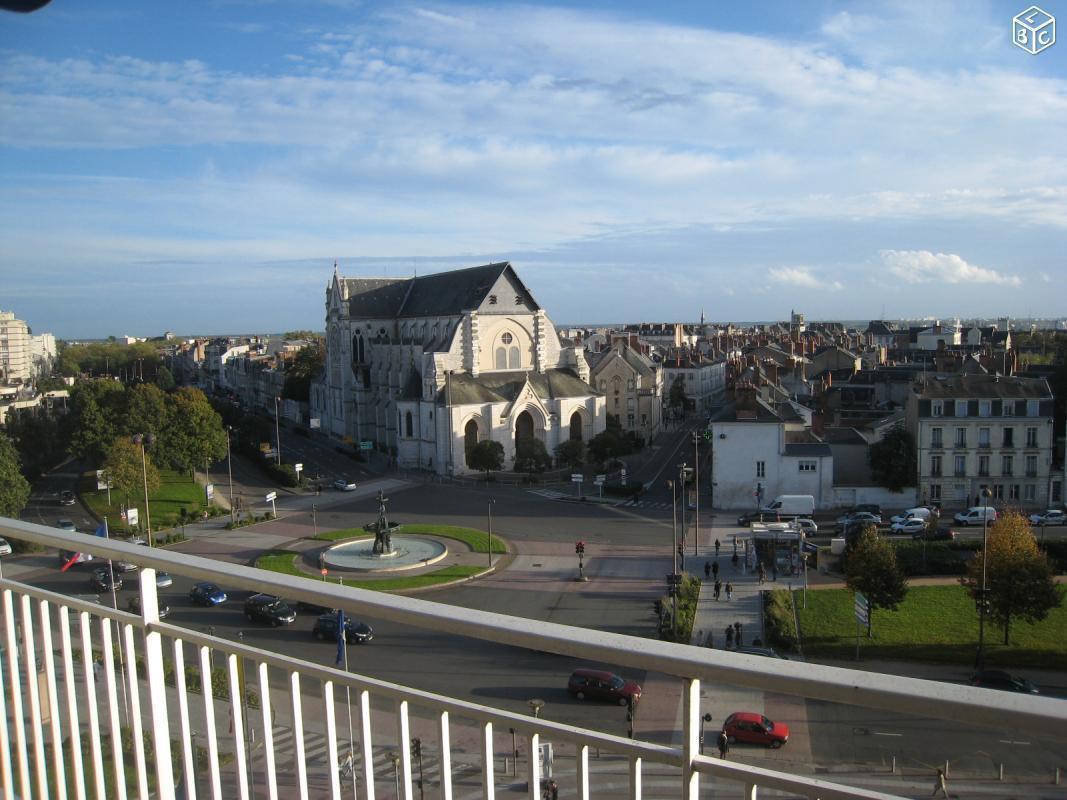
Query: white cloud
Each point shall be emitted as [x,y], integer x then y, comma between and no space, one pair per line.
[922,266]
[802,277]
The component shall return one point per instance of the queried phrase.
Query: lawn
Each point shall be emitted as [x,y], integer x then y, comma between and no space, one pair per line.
[475,539]
[176,491]
[284,561]
[934,623]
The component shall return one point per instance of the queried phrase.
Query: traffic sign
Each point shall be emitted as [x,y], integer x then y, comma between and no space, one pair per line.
[325,571]
[366,445]
[298,467]
[271,496]
[863,609]
[577,477]
[599,480]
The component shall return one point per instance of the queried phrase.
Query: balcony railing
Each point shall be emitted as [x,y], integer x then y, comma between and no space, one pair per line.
[79,677]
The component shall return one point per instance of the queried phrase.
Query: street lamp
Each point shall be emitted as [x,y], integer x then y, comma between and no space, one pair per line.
[696,486]
[229,470]
[144,440]
[490,506]
[983,598]
[674,555]
[277,433]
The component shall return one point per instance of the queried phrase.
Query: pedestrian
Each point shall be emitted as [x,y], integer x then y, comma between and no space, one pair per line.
[774,569]
[718,588]
[553,790]
[715,568]
[737,633]
[707,569]
[729,591]
[734,560]
[939,784]
[735,547]
[724,744]
[710,641]
[716,548]
[761,572]
[729,636]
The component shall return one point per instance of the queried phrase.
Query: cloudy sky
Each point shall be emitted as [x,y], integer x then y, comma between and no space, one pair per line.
[199,166]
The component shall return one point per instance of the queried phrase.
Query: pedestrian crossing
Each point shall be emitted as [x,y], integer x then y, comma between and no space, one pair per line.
[648,505]
[317,753]
[551,494]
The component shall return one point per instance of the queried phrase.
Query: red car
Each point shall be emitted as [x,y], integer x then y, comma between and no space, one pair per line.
[594,684]
[744,726]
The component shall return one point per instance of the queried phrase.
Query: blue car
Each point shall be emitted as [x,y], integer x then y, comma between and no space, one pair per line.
[207,594]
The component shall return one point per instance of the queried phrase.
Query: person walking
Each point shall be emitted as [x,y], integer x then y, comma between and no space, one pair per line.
[724,744]
[735,546]
[710,641]
[716,548]
[729,591]
[718,589]
[707,569]
[729,636]
[774,570]
[737,633]
[761,572]
[939,784]
[715,569]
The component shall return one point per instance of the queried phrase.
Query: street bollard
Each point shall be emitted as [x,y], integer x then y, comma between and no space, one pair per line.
[894,770]
[1056,777]
[1000,772]
[946,768]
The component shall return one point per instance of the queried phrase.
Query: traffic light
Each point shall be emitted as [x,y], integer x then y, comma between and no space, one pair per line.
[707,435]
[579,547]
[416,747]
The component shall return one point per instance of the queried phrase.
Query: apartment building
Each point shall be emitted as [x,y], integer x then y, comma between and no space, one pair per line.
[974,432]
[16,365]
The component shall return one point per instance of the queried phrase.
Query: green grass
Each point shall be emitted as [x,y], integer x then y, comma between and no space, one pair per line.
[177,491]
[934,623]
[284,561]
[477,540]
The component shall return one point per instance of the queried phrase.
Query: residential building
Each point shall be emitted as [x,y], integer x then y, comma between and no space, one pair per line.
[632,385]
[426,367]
[16,360]
[974,432]
[703,378]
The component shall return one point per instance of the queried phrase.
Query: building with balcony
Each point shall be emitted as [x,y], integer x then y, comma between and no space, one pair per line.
[975,432]
[426,367]
[16,356]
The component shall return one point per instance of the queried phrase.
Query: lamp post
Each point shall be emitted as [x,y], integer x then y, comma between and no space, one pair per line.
[983,599]
[696,487]
[674,554]
[229,470]
[490,507]
[277,432]
[144,440]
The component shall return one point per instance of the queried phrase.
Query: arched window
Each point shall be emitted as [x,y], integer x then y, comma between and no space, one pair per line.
[576,426]
[358,350]
[470,437]
[524,428]
[408,426]
[501,358]
[513,358]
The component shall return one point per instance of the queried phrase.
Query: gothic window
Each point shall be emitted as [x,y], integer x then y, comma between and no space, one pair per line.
[470,437]
[524,428]
[408,427]
[358,349]
[501,358]
[513,358]
[576,426]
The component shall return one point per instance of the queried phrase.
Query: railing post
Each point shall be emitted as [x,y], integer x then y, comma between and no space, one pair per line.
[533,747]
[157,689]
[691,738]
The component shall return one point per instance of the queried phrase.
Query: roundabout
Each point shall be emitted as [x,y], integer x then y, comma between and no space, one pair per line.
[407,552]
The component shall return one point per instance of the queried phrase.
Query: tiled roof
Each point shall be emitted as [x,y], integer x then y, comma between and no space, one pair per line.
[984,386]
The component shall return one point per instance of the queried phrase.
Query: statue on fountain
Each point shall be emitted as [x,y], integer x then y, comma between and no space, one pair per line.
[383,543]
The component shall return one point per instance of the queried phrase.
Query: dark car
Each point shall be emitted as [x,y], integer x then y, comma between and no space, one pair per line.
[749,517]
[66,498]
[594,684]
[269,609]
[133,605]
[745,726]
[998,679]
[206,594]
[870,508]
[355,631]
[104,580]
[936,534]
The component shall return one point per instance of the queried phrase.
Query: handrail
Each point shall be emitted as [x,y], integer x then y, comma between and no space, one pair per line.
[922,698]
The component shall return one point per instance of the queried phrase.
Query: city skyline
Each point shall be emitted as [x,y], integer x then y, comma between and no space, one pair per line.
[165,171]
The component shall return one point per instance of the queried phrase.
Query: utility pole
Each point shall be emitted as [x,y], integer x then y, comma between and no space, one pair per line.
[229,471]
[983,598]
[696,492]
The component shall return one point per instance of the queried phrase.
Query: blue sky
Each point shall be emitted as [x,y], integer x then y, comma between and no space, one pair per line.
[198,167]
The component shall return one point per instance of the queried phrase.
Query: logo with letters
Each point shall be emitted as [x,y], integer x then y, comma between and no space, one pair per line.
[1033,30]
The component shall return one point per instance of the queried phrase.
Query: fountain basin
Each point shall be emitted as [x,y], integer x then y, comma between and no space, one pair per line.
[409,552]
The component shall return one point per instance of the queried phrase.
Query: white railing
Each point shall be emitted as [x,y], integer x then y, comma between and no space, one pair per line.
[124,674]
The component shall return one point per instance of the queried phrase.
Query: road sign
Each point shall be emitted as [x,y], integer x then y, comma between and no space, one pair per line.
[298,467]
[599,480]
[131,517]
[862,608]
[209,492]
[577,477]
[325,571]
[271,496]
[366,445]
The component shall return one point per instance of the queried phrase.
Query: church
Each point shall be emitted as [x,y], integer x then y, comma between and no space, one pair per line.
[428,366]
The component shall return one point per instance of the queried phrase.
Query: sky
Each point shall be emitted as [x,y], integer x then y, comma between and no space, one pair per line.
[199,167]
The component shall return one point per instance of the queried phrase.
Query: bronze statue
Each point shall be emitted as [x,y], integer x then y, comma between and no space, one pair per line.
[382,541]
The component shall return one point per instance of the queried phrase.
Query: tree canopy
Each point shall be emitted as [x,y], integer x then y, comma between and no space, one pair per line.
[303,369]
[571,453]
[126,473]
[892,459]
[531,456]
[486,456]
[871,568]
[1020,581]
[14,489]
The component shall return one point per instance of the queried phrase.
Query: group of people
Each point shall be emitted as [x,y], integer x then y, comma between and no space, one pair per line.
[711,568]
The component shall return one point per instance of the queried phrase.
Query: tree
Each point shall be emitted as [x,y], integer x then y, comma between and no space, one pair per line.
[125,471]
[571,453]
[164,379]
[531,456]
[1020,581]
[14,489]
[194,435]
[97,409]
[303,369]
[36,436]
[486,456]
[91,432]
[871,568]
[610,444]
[677,395]
[892,460]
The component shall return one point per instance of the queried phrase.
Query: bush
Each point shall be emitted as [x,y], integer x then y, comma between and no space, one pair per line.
[942,558]
[1056,552]
[778,620]
[688,595]
[284,474]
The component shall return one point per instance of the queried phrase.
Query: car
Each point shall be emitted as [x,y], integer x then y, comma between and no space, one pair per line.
[870,508]
[125,566]
[932,534]
[105,580]
[133,605]
[749,517]
[912,526]
[355,631]
[5,547]
[977,515]
[860,518]
[314,608]
[270,609]
[66,498]
[205,593]
[1054,516]
[922,512]
[66,525]
[344,485]
[163,580]
[595,684]
[998,679]
[766,652]
[807,525]
[751,728]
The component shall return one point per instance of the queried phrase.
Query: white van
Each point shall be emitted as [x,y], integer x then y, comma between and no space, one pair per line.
[920,512]
[791,505]
[976,515]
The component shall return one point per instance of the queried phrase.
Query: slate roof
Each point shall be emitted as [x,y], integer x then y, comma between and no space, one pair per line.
[984,386]
[809,450]
[503,387]
[441,294]
[877,327]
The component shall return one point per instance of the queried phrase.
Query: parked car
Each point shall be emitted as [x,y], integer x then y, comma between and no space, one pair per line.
[860,518]
[998,679]
[807,525]
[595,684]
[870,508]
[5,547]
[163,580]
[355,631]
[344,485]
[66,525]
[913,526]
[104,580]
[125,566]
[1054,516]
[269,609]
[920,512]
[206,594]
[751,728]
[133,605]
[976,514]
[66,498]
[933,534]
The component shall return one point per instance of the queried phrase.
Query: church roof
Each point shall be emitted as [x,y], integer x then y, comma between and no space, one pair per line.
[503,387]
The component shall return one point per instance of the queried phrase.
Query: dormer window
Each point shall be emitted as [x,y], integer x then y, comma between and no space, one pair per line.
[492,299]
